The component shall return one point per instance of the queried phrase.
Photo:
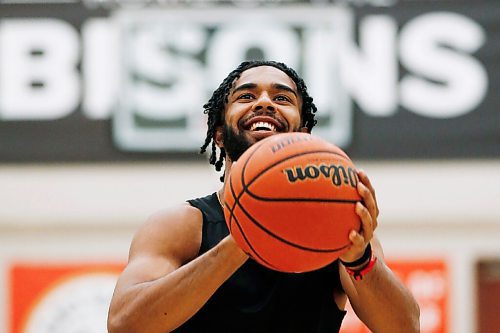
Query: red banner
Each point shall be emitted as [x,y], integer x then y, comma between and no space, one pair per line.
[60,298]
[428,281]
[71,297]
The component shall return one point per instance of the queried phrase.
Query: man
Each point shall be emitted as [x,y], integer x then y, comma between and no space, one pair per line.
[186,273]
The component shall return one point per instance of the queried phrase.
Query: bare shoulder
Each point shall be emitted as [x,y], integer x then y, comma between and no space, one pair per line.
[167,240]
[173,233]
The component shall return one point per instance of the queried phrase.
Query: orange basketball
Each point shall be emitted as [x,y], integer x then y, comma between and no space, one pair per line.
[290,202]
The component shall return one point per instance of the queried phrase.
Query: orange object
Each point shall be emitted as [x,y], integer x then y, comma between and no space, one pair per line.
[290,202]
[53,292]
[429,281]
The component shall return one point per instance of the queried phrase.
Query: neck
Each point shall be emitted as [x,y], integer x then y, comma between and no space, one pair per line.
[227,169]
[220,197]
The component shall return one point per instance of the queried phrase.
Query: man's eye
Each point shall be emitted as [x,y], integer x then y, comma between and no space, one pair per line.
[245,96]
[283,98]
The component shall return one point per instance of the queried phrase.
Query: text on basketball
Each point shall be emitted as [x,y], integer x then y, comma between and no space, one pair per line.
[338,174]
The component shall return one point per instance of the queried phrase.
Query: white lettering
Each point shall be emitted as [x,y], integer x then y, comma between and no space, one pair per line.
[167,81]
[370,73]
[321,67]
[100,68]
[435,46]
[38,66]
[321,74]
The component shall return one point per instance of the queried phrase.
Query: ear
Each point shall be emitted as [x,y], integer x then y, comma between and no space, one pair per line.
[304,129]
[218,137]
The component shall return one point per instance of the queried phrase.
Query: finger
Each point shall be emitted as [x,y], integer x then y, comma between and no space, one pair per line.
[363,177]
[368,200]
[356,248]
[366,181]
[366,221]
[356,239]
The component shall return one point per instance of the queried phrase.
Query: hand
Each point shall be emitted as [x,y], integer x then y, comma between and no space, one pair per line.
[368,211]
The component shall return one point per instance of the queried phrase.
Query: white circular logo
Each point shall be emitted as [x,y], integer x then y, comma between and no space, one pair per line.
[78,305]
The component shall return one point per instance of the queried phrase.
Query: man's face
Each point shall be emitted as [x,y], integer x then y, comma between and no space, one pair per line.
[263,102]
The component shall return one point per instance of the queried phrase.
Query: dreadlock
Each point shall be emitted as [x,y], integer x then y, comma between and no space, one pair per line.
[214,108]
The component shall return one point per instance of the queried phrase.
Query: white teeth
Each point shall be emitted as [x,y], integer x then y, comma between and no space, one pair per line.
[262,124]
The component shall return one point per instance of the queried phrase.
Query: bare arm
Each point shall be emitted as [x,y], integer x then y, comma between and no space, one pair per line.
[162,285]
[380,299]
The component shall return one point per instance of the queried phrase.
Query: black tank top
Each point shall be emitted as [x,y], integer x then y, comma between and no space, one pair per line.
[259,300]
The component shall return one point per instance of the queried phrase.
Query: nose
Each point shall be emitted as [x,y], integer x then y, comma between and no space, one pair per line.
[264,102]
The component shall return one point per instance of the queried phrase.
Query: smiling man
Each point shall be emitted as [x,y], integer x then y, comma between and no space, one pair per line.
[186,273]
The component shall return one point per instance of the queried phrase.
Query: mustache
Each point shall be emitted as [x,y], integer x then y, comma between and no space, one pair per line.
[271,114]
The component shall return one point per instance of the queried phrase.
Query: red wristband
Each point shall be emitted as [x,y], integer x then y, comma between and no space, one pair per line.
[358,274]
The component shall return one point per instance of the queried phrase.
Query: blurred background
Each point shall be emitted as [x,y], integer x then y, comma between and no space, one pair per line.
[101,120]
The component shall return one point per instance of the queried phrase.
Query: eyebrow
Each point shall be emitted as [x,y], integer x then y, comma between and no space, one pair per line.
[244,86]
[278,86]
[284,87]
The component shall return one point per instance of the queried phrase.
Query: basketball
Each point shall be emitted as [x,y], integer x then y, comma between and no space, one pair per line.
[289,202]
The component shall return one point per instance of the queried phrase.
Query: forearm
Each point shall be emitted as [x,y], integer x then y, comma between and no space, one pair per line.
[383,302]
[164,304]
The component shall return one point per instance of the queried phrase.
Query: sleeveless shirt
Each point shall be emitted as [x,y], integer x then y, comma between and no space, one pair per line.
[256,299]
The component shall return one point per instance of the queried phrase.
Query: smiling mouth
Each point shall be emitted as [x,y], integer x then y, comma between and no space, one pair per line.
[262,126]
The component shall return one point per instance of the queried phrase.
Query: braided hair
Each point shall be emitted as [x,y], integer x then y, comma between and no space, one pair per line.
[214,108]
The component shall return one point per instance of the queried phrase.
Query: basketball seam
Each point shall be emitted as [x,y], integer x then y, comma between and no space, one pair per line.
[231,211]
[233,217]
[270,233]
[250,245]
[245,189]
[299,199]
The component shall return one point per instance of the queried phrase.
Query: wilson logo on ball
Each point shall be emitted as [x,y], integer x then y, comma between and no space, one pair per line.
[337,173]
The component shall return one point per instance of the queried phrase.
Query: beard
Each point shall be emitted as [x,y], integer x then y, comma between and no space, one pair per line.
[235,144]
